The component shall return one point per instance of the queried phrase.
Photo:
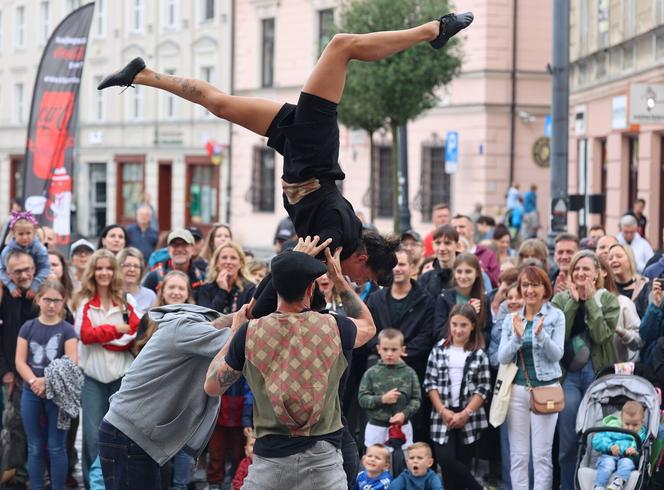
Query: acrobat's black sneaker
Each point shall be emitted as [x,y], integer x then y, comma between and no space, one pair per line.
[450,24]
[123,77]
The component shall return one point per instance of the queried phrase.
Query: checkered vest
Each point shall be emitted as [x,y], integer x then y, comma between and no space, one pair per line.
[294,362]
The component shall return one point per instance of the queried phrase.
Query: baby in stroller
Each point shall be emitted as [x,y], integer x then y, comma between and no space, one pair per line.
[618,449]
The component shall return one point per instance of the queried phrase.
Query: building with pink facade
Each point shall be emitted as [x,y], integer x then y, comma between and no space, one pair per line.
[500,92]
[614,47]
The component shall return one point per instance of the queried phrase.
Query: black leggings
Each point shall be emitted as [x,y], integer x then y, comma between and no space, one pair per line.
[454,459]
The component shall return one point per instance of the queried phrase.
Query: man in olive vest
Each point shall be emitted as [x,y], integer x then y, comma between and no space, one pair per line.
[295,361]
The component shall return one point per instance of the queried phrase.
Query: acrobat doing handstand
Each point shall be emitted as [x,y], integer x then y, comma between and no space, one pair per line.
[307,135]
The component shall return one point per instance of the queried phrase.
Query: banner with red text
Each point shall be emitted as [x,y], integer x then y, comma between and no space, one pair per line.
[49,155]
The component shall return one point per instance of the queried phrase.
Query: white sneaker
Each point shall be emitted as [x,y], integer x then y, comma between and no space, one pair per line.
[616,484]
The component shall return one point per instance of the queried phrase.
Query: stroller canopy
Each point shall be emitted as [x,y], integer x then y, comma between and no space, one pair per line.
[603,389]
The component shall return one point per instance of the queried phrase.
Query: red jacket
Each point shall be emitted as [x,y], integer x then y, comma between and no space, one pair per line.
[489,263]
[93,332]
[241,473]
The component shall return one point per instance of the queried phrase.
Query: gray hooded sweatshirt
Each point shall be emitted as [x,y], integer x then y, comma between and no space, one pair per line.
[161,405]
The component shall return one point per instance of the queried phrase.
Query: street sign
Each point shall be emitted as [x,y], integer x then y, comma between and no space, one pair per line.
[452,152]
[548,123]
[646,103]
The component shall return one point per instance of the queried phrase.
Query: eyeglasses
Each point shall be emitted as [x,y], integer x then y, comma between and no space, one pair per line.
[20,272]
[52,301]
[526,285]
[131,266]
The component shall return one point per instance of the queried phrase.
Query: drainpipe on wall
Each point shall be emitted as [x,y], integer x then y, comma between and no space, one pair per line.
[513,103]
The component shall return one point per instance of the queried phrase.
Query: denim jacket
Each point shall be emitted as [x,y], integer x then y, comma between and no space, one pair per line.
[548,345]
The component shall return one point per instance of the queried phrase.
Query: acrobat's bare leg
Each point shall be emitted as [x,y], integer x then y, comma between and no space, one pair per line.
[328,78]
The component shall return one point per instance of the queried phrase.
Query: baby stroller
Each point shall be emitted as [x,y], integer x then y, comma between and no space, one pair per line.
[606,396]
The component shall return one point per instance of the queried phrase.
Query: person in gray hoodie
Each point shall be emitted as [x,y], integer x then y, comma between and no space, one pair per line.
[161,406]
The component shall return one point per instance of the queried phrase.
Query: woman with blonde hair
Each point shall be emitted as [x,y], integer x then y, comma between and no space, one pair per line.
[228,285]
[218,235]
[106,323]
[628,281]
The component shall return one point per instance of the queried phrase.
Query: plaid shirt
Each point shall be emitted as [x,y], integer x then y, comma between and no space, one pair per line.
[476,381]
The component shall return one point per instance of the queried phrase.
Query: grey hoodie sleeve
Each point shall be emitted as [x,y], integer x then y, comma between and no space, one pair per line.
[199,337]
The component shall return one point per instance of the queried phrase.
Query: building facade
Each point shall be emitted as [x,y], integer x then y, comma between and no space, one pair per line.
[141,142]
[615,44]
[144,140]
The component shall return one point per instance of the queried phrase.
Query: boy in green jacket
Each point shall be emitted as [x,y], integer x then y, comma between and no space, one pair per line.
[389,391]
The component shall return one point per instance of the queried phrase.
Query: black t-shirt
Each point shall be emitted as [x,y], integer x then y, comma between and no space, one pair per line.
[398,307]
[45,343]
[327,214]
[579,325]
[276,446]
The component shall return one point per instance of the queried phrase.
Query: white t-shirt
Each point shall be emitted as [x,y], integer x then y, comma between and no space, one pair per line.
[457,357]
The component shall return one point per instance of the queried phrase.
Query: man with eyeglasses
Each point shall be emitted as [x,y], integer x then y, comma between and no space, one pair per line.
[14,312]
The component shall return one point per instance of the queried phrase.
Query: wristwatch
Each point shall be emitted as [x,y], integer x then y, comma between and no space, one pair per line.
[32,381]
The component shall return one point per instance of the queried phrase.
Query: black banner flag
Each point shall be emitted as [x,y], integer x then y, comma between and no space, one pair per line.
[49,159]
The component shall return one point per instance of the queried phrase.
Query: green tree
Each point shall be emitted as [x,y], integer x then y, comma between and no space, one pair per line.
[391,92]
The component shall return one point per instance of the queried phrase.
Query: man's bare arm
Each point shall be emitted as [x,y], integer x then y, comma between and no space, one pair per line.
[353,305]
[219,374]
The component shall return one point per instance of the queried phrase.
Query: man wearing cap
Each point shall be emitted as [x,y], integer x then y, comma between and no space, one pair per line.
[180,252]
[79,254]
[295,361]
[141,234]
[412,241]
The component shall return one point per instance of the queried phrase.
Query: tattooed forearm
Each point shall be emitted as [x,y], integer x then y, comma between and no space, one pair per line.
[226,378]
[213,370]
[352,303]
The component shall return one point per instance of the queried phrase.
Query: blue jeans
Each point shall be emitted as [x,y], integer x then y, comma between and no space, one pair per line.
[182,466]
[94,404]
[33,408]
[607,464]
[575,385]
[125,465]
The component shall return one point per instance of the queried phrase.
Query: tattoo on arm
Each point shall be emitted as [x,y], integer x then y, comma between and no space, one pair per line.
[352,303]
[226,378]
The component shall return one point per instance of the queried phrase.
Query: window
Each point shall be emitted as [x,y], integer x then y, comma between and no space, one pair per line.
[208,10]
[19,27]
[202,191]
[129,188]
[98,104]
[267,65]
[208,75]
[136,100]
[97,198]
[600,66]
[16,180]
[435,184]
[659,46]
[263,187]
[171,14]
[603,23]
[383,167]
[628,55]
[169,100]
[44,22]
[325,28]
[136,16]
[582,73]
[100,18]
[19,96]
[659,11]
[73,4]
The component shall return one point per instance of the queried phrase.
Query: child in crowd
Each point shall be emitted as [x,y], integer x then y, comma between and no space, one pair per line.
[258,269]
[40,342]
[458,381]
[243,467]
[389,391]
[376,474]
[419,474]
[23,227]
[618,450]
